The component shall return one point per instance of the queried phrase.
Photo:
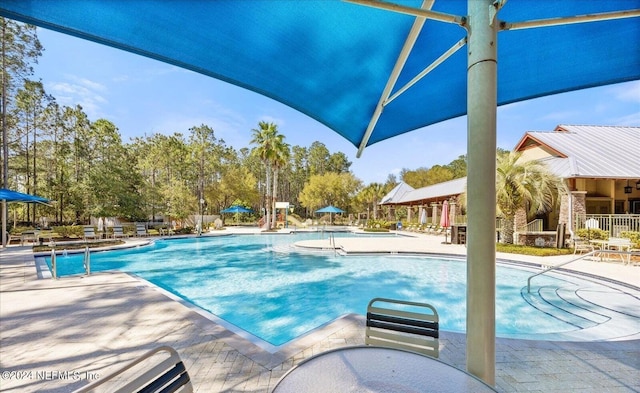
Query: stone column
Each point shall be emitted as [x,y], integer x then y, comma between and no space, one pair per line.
[453,211]
[519,222]
[579,203]
[435,215]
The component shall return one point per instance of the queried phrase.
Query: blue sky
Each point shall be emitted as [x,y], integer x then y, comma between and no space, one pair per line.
[144,96]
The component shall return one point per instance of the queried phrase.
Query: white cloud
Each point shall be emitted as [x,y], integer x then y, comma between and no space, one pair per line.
[80,91]
[628,92]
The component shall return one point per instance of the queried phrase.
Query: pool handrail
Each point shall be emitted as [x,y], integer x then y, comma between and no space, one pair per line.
[592,253]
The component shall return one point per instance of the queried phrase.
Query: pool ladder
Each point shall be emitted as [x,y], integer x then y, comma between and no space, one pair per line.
[589,254]
[332,243]
[86,262]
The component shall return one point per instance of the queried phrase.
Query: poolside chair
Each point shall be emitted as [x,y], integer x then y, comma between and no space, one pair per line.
[403,325]
[581,245]
[11,237]
[141,230]
[89,233]
[157,375]
[48,235]
[29,236]
[118,232]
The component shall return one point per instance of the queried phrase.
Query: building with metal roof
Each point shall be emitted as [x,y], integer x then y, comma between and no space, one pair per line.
[600,164]
[594,152]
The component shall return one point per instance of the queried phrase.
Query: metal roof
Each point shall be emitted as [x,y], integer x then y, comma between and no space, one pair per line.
[611,152]
[397,193]
[436,192]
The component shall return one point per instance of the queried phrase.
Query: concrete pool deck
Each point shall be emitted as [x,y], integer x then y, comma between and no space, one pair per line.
[55,335]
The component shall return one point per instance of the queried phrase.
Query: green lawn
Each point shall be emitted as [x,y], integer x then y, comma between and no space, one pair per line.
[528,250]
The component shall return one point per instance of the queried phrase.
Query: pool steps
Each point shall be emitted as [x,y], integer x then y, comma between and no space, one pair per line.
[581,308]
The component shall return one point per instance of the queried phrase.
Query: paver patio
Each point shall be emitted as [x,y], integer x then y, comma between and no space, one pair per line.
[55,335]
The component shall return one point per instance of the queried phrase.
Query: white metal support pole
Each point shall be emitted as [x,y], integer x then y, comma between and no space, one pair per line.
[4,223]
[481,192]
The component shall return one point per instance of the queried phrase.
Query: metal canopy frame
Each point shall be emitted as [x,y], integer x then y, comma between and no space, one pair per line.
[482,30]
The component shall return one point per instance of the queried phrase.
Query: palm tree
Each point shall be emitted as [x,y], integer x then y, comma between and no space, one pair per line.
[280,160]
[371,195]
[523,184]
[270,144]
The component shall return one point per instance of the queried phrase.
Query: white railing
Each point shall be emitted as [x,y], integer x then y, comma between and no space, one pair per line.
[599,253]
[533,226]
[613,223]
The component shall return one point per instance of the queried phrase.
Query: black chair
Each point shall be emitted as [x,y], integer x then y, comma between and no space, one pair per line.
[166,376]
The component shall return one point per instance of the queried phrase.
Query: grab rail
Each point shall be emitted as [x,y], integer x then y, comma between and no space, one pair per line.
[87,260]
[54,264]
[591,253]
[332,242]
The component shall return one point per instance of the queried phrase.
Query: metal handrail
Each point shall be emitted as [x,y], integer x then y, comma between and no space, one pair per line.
[87,260]
[591,253]
[54,264]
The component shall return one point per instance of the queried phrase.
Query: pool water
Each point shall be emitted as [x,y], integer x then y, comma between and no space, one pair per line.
[265,287]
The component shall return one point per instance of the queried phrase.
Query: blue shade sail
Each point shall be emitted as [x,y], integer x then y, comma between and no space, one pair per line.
[15,196]
[331,59]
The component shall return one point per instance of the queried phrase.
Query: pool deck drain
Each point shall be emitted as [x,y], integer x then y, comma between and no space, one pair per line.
[55,335]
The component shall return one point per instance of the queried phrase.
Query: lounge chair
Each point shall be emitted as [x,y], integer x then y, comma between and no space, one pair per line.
[141,230]
[403,325]
[11,237]
[118,232]
[29,236]
[48,235]
[90,233]
[168,375]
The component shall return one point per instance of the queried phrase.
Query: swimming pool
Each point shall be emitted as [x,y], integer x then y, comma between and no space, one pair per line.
[263,286]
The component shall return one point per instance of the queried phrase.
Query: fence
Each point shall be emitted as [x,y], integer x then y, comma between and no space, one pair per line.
[533,226]
[613,223]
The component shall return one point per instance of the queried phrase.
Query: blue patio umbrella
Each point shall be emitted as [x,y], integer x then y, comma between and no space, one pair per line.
[330,209]
[237,209]
[388,69]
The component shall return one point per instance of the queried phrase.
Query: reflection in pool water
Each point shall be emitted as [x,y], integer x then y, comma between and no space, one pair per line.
[260,284]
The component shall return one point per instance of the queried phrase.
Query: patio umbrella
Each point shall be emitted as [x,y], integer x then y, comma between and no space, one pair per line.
[444,219]
[423,216]
[330,209]
[366,81]
[237,210]
[100,225]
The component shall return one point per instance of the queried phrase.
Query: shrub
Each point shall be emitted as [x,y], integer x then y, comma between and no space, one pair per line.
[378,224]
[19,229]
[69,231]
[592,234]
[633,236]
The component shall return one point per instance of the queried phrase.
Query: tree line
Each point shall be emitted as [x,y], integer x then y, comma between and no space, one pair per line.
[87,170]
